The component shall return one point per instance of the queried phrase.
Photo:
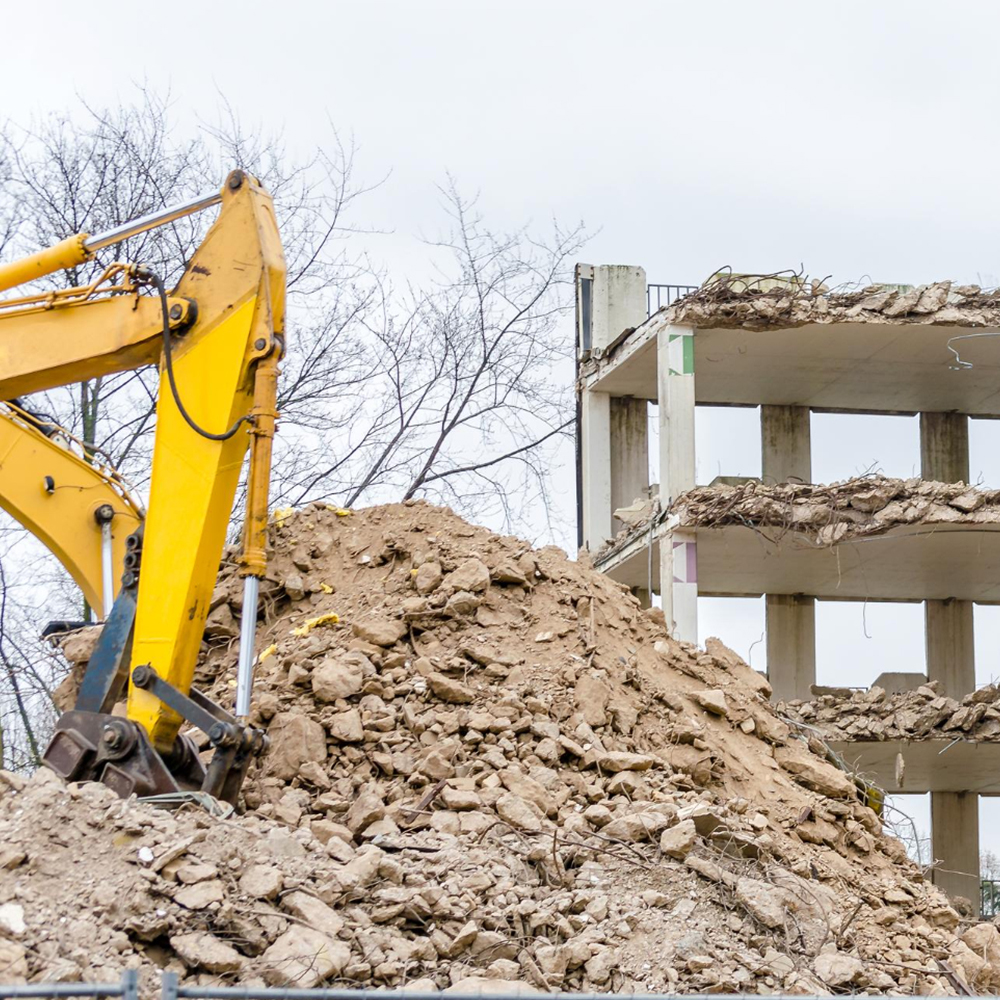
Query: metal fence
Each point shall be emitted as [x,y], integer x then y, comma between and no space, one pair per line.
[172,989]
[658,296]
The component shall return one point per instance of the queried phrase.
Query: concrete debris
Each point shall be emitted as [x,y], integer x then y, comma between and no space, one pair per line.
[825,515]
[456,805]
[760,302]
[845,714]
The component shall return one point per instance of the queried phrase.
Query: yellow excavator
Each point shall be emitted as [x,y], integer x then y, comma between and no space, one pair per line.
[217,337]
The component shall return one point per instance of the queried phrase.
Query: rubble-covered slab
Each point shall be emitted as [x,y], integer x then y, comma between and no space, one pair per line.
[866,537]
[884,348]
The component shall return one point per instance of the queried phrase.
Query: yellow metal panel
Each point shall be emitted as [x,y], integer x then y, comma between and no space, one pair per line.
[63,519]
[191,497]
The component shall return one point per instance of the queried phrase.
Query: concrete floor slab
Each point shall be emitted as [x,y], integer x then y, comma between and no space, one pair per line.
[871,367]
[929,765]
[908,563]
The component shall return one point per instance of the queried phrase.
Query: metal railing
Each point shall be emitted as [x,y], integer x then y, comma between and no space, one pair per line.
[665,295]
[127,989]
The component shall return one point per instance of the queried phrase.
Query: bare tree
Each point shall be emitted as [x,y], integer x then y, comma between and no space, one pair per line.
[458,392]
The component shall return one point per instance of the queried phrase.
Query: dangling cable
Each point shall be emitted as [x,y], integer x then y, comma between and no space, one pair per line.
[168,361]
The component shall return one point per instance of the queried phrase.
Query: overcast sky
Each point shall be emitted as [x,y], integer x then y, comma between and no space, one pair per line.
[857,139]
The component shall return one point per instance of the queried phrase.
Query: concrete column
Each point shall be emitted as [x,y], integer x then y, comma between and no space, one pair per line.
[944,447]
[948,625]
[629,453]
[786,455]
[678,550]
[791,645]
[949,638]
[595,459]
[955,844]
[612,446]
[785,446]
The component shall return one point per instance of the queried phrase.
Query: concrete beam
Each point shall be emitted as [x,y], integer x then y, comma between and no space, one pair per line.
[949,637]
[955,844]
[791,645]
[629,419]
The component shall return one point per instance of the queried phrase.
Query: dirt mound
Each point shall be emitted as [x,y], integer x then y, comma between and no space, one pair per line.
[487,761]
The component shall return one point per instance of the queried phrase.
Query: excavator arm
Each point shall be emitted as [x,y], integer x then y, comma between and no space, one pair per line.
[82,512]
[217,338]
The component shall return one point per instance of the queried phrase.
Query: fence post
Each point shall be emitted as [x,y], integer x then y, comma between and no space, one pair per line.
[168,986]
[130,984]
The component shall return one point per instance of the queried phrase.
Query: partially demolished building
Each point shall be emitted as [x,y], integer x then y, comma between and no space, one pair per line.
[792,347]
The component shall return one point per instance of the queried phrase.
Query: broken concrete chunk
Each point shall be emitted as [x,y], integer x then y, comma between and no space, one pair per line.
[380,631]
[449,690]
[338,677]
[205,951]
[470,576]
[262,881]
[712,700]
[519,813]
[303,957]
[295,738]
[678,841]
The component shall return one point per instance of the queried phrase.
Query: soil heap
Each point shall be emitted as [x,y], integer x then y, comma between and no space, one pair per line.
[488,764]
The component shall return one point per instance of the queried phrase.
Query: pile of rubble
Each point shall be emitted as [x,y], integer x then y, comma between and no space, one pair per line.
[488,764]
[923,713]
[759,302]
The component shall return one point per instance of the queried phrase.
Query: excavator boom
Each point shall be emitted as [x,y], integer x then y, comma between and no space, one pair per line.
[217,337]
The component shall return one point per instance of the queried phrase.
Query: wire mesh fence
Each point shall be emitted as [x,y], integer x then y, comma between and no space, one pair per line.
[171,988]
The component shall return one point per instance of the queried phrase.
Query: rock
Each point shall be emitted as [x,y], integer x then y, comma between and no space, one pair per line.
[814,773]
[483,986]
[449,690]
[591,696]
[460,799]
[837,969]
[12,919]
[428,577]
[519,813]
[636,826]
[303,957]
[78,646]
[200,895]
[380,631]
[527,788]
[678,841]
[366,809]
[337,678]
[262,881]
[600,966]
[295,738]
[346,727]
[190,874]
[294,587]
[765,903]
[13,963]
[314,912]
[712,700]
[620,760]
[464,939]
[471,576]
[202,950]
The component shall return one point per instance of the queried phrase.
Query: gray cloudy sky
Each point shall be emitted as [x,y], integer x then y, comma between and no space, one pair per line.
[855,138]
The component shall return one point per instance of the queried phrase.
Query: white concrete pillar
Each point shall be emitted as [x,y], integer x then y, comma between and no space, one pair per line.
[785,444]
[955,844]
[948,625]
[595,459]
[944,447]
[678,550]
[612,445]
[629,453]
[786,456]
[791,645]
[949,637]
